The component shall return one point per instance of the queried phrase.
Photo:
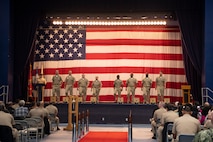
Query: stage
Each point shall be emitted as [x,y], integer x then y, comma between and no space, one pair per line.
[111,113]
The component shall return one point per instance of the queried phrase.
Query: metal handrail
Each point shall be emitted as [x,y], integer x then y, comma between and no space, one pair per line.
[205,94]
[4,89]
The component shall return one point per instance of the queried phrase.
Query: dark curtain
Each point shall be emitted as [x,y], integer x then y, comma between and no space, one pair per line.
[25,21]
[191,21]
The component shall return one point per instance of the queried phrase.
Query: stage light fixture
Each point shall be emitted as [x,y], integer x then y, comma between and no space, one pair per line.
[111,22]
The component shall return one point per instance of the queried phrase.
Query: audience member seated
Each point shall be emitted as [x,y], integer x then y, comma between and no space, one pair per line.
[155,121]
[16,104]
[167,117]
[21,112]
[46,118]
[10,108]
[209,122]
[204,112]
[185,124]
[6,119]
[204,136]
[37,112]
[195,110]
[53,111]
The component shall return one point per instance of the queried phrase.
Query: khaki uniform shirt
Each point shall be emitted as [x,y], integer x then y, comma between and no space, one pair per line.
[6,119]
[169,116]
[131,82]
[70,80]
[158,113]
[83,82]
[52,109]
[185,124]
[118,83]
[56,81]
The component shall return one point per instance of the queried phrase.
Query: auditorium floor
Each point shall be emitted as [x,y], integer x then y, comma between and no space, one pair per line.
[141,132]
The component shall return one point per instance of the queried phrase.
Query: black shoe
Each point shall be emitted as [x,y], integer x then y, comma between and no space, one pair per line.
[154,137]
[58,129]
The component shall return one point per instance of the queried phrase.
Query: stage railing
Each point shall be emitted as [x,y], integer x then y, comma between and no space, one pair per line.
[130,127]
[206,95]
[82,127]
[4,89]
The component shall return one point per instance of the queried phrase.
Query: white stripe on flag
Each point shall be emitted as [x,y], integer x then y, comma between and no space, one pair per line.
[133,35]
[137,49]
[110,63]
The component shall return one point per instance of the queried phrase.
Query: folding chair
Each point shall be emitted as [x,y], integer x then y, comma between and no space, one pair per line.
[27,133]
[169,132]
[32,130]
[40,123]
[52,119]
[6,134]
[157,125]
[186,137]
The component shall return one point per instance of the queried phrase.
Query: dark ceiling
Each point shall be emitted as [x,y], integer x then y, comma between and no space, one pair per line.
[86,7]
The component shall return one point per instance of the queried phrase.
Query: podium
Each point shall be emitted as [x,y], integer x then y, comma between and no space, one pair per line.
[39,87]
[186,93]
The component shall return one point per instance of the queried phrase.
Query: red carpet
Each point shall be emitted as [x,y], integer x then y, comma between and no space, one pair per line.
[105,137]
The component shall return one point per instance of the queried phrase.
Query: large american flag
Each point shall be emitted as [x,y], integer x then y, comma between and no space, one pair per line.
[107,51]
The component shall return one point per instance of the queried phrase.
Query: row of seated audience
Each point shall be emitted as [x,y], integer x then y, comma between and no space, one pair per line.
[186,119]
[18,111]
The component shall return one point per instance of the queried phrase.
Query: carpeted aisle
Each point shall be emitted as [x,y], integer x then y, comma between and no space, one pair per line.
[105,137]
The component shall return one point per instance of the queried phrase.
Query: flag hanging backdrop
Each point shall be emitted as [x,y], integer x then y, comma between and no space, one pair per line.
[107,51]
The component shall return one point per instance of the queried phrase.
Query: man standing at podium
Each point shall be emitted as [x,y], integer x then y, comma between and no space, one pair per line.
[160,86]
[41,82]
[83,83]
[69,83]
[56,85]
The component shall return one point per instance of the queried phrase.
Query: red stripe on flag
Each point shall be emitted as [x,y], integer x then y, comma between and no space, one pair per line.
[153,42]
[105,56]
[132,29]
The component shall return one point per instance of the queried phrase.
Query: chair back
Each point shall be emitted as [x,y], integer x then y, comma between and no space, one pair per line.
[186,138]
[52,117]
[6,134]
[167,130]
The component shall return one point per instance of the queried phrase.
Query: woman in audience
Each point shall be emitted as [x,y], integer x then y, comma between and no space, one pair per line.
[209,122]
[204,112]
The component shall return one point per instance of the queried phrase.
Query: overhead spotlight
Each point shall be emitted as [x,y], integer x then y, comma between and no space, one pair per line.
[165,16]
[58,17]
[68,17]
[77,17]
[57,22]
[108,17]
[88,17]
[117,17]
[98,17]
[144,17]
[155,17]
[126,17]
